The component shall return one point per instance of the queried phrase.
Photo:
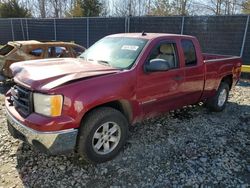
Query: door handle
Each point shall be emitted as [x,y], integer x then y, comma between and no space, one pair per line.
[178,78]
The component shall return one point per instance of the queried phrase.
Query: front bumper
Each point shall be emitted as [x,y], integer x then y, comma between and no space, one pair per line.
[53,142]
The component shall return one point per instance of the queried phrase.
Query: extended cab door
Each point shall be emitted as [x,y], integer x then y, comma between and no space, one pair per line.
[160,91]
[194,70]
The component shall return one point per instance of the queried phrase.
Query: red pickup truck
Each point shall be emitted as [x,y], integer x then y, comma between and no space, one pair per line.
[86,104]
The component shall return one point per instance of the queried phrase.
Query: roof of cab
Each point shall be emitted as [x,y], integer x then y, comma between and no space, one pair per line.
[148,36]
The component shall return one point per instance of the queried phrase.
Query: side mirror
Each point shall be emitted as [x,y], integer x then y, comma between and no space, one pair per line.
[156,65]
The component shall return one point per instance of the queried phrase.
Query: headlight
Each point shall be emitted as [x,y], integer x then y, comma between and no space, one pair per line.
[48,105]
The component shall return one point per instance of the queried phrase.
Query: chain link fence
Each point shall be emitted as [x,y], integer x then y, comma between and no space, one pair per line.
[217,34]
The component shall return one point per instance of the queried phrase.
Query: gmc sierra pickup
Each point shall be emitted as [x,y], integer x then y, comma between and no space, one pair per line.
[86,104]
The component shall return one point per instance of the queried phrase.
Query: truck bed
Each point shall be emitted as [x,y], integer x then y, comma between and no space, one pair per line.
[216,57]
[218,66]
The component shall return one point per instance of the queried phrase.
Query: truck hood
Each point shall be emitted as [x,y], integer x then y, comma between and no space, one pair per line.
[49,73]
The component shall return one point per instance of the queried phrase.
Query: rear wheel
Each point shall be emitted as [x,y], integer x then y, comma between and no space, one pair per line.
[102,135]
[218,102]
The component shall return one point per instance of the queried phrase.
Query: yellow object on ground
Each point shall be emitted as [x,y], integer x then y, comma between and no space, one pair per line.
[245,68]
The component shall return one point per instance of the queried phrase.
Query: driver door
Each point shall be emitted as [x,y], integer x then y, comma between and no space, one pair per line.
[161,91]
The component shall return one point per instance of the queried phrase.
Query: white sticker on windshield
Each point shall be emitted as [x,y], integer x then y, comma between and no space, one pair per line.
[129,47]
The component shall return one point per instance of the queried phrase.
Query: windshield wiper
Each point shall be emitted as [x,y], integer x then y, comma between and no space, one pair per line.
[103,62]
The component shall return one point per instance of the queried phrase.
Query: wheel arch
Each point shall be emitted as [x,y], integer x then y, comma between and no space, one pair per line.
[122,106]
[228,79]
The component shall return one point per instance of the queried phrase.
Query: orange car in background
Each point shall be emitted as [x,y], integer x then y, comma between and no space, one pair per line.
[30,50]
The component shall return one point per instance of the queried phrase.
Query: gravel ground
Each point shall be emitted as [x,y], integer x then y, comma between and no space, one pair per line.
[188,147]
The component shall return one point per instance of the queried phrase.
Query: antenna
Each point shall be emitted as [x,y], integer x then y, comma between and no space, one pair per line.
[143,33]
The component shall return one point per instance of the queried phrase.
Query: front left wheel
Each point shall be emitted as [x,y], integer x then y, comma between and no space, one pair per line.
[102,135]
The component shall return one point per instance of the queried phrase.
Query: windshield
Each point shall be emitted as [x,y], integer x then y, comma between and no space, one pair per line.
[117,52]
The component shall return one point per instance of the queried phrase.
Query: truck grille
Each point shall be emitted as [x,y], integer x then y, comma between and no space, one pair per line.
[21,99]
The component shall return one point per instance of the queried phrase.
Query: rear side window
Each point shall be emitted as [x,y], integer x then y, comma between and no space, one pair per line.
[6,49]
[189,52]
[36,52]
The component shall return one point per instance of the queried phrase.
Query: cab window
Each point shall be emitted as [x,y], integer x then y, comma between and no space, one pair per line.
[165,51]
[189,52]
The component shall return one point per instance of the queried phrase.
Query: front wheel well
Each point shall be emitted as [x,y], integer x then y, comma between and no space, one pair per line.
[229,80]
[122,106]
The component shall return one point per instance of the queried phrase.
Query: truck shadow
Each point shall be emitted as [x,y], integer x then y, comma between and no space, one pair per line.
[34,167]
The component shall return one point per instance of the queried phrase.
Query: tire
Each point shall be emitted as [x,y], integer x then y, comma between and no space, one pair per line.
[95,135]
[218,102]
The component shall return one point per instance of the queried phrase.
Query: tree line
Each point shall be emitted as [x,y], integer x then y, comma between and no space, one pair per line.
[120,8]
